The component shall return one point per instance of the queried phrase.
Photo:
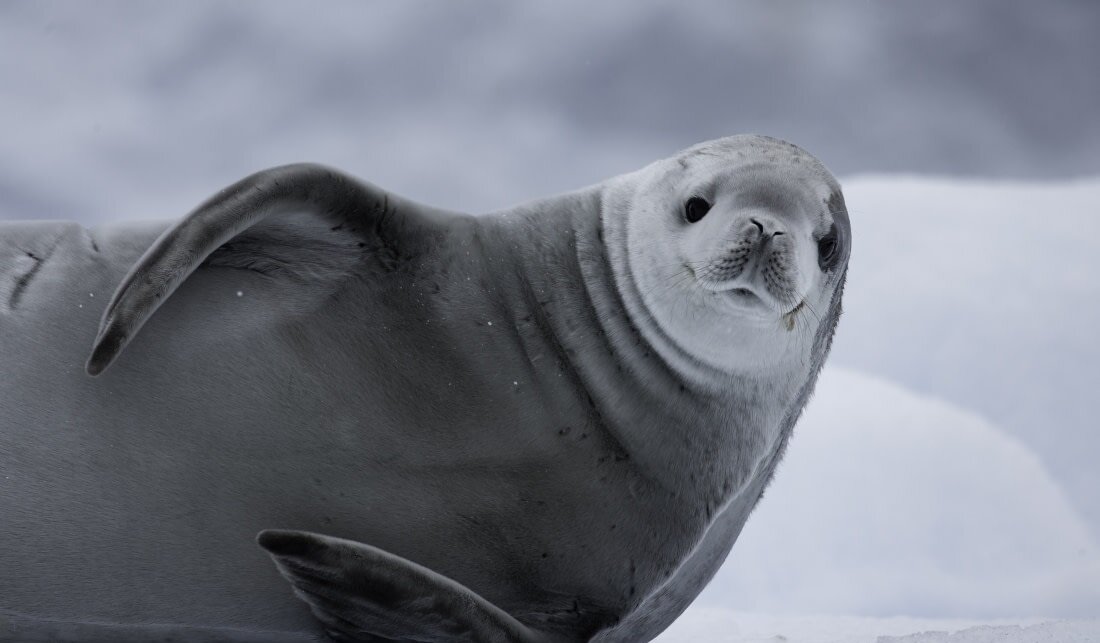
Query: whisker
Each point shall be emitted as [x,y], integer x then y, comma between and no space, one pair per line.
[670,281]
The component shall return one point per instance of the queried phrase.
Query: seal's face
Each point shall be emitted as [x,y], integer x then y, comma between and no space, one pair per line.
[756,242]
[736,249]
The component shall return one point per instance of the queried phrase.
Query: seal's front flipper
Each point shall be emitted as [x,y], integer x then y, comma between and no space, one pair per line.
[338,221]
[362,593]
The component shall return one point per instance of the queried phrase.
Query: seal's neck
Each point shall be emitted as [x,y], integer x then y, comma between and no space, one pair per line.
[697,432]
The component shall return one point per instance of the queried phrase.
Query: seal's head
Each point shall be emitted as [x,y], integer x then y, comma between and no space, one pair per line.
[734,252]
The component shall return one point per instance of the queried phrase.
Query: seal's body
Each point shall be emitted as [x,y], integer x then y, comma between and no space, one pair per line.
[459,426]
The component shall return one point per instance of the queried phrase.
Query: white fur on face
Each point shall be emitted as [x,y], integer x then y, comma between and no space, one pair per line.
[741,289]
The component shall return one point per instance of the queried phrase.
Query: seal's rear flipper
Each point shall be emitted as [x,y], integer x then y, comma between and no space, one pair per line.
[362,593]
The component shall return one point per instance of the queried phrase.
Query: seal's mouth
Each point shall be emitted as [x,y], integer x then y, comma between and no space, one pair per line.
[736,290]
[740,295]
[743,295]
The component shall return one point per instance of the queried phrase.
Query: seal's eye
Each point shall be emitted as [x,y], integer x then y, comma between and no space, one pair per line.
[827,248]
[696,208]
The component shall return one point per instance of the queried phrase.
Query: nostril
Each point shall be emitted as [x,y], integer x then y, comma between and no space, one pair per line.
[760,227]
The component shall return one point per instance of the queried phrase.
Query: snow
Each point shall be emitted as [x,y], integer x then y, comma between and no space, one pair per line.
[1051,632]
[716,625]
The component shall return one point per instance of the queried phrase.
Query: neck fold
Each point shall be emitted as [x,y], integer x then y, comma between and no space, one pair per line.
[695,434]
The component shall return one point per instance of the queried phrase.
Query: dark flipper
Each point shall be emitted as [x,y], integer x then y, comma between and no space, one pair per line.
[368,218]
[361,593]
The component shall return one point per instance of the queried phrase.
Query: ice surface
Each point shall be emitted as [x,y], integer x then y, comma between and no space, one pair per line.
[1051,632]
[716,625]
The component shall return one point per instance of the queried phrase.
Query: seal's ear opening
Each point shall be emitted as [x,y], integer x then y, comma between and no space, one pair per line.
[339,224]
[361,593]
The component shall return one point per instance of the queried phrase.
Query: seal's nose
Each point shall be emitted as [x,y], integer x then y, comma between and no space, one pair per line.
[767,227]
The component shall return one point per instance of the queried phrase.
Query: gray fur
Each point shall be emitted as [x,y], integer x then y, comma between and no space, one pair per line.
[469,407]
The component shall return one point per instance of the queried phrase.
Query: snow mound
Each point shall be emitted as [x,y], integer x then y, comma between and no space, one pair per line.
[891,503]
[984,294]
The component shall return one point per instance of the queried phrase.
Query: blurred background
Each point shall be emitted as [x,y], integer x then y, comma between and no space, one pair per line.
[948,466]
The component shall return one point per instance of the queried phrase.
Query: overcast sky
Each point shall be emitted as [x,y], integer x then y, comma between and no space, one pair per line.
[114,111]
[147,107]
